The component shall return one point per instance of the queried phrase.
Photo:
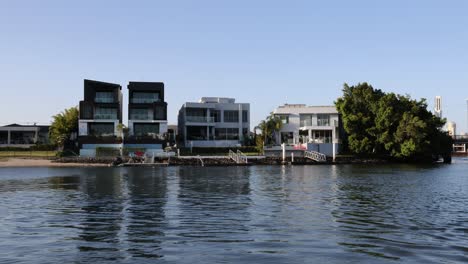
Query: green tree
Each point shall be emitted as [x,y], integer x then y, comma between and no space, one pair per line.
[358,107]
[268,127]
[394,125]
[63,125]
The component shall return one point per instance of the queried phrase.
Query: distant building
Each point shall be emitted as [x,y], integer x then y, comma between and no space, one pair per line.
[438,106]
[100,116]
[452,128]
[311,127]
[147,115]
[214,122]
[172,133]
[23,136]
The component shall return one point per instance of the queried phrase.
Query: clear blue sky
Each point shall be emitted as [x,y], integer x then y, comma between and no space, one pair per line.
[266,53]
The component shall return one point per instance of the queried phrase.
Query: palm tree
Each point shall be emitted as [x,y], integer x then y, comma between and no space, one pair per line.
[63,125]
[271,125]
[123,131]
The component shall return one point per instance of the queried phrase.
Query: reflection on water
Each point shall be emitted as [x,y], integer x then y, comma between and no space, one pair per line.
[320,214]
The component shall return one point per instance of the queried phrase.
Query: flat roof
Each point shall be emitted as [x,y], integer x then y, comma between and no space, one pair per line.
[302,108]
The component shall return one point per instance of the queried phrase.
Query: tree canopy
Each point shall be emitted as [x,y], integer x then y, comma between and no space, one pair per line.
[379,123]
[63,125]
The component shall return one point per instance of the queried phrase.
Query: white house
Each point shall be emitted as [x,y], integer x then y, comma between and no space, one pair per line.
[214,122]
[309,127]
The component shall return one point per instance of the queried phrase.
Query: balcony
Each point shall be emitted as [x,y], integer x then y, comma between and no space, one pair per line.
[319,123]
[104,100]
[323,122]
[144,100]
[141,117]
[199,119]
[105,117]
[306,122]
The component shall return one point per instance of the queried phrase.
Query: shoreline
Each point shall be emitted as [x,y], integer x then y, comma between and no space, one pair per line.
[43,163]
[182,161]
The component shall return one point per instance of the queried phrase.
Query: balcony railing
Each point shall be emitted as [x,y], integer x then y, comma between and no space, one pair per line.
[140,117]
[105,116]
[323,122]
[144,100]
[200,119]
[104,100]
[306,123]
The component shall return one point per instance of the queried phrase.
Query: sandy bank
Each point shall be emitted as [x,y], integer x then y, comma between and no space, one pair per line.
[17,162]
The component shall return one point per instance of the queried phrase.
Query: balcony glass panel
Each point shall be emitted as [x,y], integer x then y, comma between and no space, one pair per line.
[96,129]
[141,114]
[231,116]
[305,120]
[200,119]
[144,98]
[226,134]
[104,97]
[105,113]
[146,129]
[323,120]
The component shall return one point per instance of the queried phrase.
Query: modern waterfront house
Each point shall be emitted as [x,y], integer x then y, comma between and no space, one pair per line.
[100,116]
[147,115]
[309,127]
[23,136]
[214,122]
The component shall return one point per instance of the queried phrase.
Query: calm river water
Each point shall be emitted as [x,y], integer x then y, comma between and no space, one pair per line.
[258,214]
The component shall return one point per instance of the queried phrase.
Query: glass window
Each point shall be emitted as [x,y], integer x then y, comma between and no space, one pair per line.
[140,114]
[215,115]
[306,120]
[287,137]
[284,118]
[142,129]
[245,116]
[226,134]
[105,113]
[104,97]
[323,120]
[231,116]
[195,115]
[101,129]
[322,136]
[196,133]
[145,97]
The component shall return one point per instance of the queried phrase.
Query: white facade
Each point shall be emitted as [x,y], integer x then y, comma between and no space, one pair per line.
[451,128]
[313,127]
[214,122]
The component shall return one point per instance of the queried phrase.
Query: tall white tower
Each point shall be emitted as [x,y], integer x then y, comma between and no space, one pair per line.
[438,106]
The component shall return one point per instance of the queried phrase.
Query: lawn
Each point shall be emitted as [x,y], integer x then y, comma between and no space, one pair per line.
[27,154]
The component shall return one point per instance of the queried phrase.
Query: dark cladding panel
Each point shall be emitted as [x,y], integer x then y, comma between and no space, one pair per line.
[160,112]
[86,110]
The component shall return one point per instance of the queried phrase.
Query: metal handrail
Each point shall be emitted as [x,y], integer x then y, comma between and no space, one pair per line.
[242,158]
[233,156]
[314,155]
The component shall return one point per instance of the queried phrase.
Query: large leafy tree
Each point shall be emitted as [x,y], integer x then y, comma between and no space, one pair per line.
[358,115]
[63,125]
[389,124]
